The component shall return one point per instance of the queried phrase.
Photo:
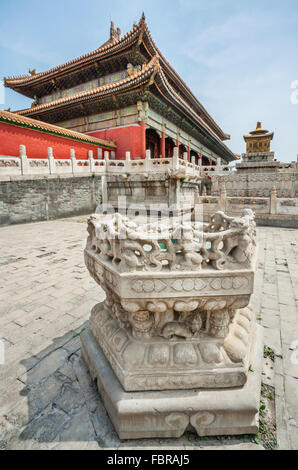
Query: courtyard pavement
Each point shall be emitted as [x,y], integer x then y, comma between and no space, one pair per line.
[47,399]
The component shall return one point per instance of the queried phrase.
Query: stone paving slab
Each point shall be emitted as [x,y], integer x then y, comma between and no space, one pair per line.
[47,398]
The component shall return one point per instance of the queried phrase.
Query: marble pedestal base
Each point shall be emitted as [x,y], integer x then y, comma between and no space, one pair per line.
[170,413]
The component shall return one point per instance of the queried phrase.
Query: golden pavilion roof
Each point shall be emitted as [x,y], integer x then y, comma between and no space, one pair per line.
[259,133]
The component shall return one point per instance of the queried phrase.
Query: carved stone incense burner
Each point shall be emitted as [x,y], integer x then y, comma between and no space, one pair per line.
[175,323]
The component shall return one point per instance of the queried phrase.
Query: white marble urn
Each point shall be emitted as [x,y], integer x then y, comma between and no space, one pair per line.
[175,315]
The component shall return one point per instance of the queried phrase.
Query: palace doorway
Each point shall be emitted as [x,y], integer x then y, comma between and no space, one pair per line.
[153,143]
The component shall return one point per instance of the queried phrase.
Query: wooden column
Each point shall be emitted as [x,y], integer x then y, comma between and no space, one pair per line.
[163,145]
[188,153]
[177,145]
[143,139]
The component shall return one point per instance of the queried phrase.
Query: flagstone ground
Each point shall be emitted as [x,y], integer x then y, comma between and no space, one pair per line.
[47,399]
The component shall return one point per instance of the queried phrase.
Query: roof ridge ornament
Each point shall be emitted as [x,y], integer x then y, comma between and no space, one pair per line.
[115,34]
[142,26]
[155,63]
[143,18]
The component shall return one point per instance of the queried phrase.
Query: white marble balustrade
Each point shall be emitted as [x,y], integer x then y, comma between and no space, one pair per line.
[23,165]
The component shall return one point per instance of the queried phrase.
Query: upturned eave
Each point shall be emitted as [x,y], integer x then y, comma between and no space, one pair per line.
[139,34]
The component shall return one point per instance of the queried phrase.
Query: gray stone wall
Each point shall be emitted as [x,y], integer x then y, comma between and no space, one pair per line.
[29,199]
[150,189]
[138,188]
[257,185]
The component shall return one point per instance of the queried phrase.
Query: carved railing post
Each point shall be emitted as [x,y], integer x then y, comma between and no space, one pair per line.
[24,160]
[193,161]
[51,159]
[108,169]
[104,185]
[273,201]
[147,161]
[175,158]
[127,165]
[91,161]
[99,154]
[73,161]
[106,159]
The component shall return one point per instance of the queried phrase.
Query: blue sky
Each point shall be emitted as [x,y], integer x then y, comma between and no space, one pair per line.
[239,58]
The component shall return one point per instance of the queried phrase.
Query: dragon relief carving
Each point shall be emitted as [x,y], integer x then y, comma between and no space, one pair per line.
[129,246]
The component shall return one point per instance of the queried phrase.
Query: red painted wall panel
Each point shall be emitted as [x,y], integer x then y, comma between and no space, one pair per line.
[37,143]
[127,139]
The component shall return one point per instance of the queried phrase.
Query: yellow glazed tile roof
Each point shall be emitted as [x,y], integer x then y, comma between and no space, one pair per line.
[16,119]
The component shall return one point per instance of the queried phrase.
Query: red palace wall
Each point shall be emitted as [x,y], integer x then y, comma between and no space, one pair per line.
[37,143]
[127,139]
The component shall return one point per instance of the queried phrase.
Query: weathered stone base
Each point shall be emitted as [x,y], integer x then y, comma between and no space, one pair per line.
[157,363]
[170,413]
